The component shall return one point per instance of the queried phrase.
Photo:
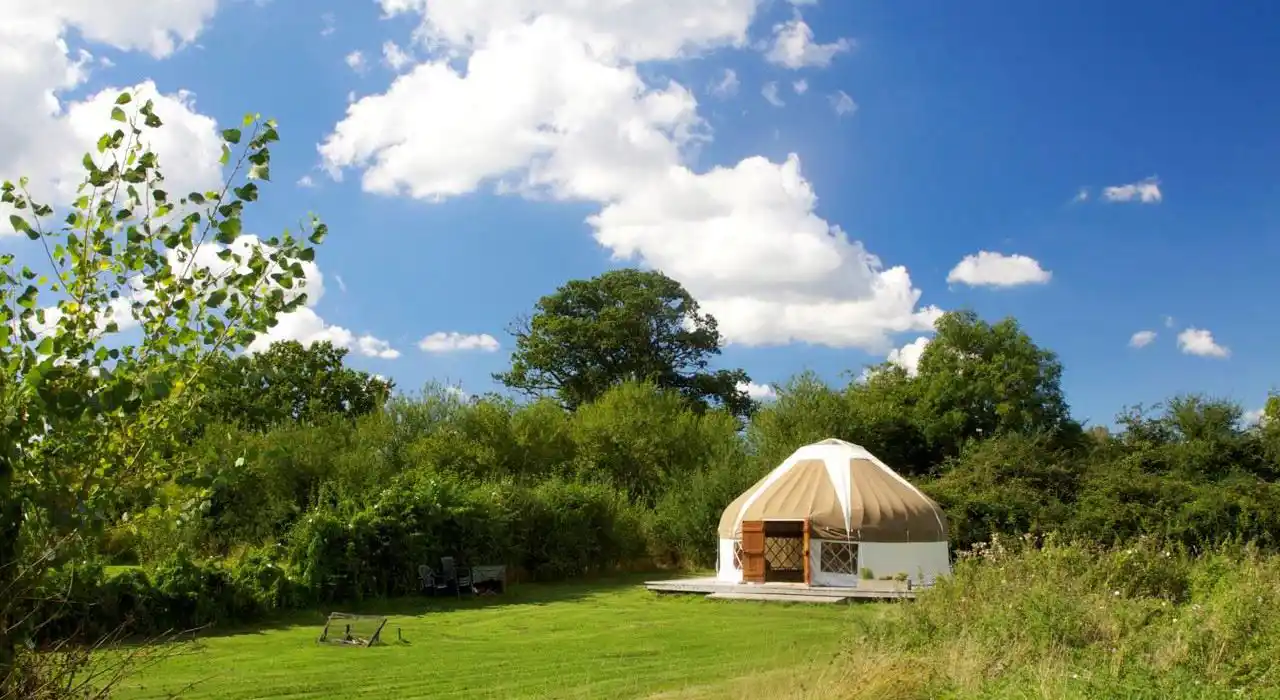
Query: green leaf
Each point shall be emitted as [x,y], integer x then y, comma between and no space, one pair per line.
[28,297]
[228,231]
[226,155]
[46,346]
[231,135]
[21,226]
[217,297]
[118,114]
[124,98]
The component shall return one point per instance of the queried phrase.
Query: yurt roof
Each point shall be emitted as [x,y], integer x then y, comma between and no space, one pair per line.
[845,492]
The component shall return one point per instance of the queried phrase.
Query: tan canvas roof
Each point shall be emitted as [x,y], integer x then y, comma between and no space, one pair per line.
[844,492]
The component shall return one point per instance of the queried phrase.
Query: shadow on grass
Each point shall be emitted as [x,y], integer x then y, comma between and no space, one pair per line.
[412,606]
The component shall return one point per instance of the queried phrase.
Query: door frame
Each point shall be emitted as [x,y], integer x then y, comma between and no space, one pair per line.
[753,551]
[808,570]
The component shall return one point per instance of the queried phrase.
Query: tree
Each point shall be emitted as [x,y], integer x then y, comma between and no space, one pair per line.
[977,379]
[625,325]
[290,382]
[83,411]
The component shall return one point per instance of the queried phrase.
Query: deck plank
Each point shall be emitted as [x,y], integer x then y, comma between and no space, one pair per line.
[710,586]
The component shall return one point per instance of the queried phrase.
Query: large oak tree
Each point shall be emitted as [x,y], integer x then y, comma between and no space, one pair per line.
[623,325]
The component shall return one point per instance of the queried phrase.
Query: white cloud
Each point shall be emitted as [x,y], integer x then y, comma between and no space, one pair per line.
[370,346]
[306,327]
[1142,339]
[759,392]
[545,97]
[355,61]
[456,342]
[728,84]
[1169,322]
[908,356]
[395,57]
[615,30]
[800,86]
[1082,195]
[328,24]
[989,269]
[44,137]
[842,103]
[1197,341]
[50,151]
[303,325]
[1256,417]
[770,93]
[793,46]
[306,181]
[1145,191]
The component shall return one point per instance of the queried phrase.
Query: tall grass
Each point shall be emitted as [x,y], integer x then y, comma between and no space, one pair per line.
[1069,620]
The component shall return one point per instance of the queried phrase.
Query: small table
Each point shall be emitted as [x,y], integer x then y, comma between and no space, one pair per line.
[489,574]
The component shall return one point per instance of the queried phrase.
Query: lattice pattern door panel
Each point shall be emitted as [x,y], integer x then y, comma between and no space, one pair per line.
[784,553]
[840,557]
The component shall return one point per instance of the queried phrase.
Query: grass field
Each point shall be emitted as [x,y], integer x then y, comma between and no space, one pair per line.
[603,640]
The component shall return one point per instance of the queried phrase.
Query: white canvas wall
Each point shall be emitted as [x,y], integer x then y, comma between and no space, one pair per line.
[725,570]
[932,559]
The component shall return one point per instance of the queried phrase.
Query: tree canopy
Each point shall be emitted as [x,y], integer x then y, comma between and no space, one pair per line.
[624,325]
[290,382]
[977,378]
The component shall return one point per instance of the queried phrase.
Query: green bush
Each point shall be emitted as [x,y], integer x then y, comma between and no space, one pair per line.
[554,530]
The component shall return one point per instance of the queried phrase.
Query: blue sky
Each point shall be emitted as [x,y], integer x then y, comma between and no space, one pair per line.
[977,127]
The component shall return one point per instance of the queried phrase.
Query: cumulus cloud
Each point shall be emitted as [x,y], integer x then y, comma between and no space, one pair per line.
[1142,339]
[800,86]
[453,341]
[1200,342]
[546,98]
[793,46]
[987,269]
[1145,192]
[44,136]
[759,392]
[908,356]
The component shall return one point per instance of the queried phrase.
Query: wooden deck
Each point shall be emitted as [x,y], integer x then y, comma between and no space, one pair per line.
[784,592]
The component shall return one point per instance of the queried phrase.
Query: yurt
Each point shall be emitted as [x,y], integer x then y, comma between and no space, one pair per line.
[832,514]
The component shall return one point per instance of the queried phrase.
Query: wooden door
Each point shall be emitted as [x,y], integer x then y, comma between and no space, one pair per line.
[808,573]
[753,551]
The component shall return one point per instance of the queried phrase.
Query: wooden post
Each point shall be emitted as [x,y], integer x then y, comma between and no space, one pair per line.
[753,551]
[808,569]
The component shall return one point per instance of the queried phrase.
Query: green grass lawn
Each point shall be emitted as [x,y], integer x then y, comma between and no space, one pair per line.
[608,639]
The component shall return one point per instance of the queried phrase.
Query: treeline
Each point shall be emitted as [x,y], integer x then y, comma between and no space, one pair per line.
[309,482]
